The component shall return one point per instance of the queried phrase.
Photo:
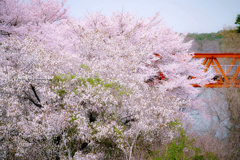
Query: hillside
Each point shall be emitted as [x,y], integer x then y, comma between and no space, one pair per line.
[205,42]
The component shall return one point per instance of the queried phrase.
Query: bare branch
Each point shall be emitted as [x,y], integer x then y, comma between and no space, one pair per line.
[35,93]
[30,99]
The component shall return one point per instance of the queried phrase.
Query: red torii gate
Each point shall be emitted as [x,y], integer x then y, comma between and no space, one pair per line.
[227,78]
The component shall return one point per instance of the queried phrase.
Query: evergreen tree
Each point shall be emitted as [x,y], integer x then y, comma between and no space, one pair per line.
[238,23]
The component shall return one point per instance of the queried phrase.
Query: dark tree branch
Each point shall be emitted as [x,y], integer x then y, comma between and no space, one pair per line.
[30,99]
[84,145]
[35,93]
[127,119]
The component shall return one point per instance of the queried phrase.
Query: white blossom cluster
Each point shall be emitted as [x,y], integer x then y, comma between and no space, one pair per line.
[84,95]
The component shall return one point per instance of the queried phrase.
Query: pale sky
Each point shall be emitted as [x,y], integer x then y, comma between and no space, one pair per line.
[194,16]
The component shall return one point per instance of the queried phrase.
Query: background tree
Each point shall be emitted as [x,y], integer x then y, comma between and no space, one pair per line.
[230,43]
[205,42]
[230,40]
[238,23]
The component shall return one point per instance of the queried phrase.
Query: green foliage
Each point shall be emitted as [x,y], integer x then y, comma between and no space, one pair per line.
[118,131]
[238,22]
[173,124]
[74,118]
[62,78]
[87,68]
[82,81]
[62,85]
[108,85]
[73,143]
[205,36]
[91,81]
[178,148]
[59,80]
[61,92]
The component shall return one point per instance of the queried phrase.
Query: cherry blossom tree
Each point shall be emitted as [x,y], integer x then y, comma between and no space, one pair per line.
[94,101]
[72,111]
[35,18]
[138,41]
